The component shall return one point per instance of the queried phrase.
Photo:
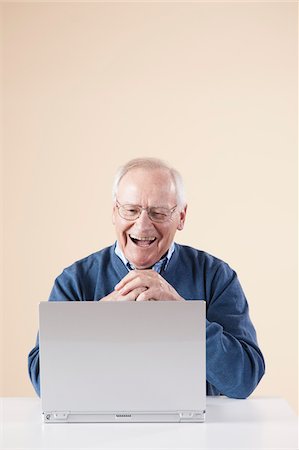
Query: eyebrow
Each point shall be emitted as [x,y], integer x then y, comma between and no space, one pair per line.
[136,204]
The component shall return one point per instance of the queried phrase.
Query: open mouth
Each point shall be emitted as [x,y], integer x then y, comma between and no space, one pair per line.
[142,241]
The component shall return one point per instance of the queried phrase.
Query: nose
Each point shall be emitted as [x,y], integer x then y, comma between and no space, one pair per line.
[144,220]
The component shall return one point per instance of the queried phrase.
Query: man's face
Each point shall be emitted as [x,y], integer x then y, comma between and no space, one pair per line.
[146,188]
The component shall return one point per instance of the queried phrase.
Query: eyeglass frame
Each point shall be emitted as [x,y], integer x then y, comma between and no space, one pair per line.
[170,211]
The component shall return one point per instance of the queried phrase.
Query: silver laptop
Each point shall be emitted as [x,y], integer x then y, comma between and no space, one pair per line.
[123,361]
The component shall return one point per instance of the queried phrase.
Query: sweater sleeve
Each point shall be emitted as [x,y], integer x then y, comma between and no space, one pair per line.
[65,288]
[33,367]
[235,363]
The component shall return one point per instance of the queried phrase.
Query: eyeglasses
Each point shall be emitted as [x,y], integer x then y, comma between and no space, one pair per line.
[156,214]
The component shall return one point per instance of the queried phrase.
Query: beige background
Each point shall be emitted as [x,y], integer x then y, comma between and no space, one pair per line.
[211,88]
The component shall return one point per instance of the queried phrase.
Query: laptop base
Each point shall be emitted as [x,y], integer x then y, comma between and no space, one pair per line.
[123,417]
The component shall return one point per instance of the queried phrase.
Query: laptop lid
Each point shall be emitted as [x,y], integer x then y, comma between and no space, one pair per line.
[122,361]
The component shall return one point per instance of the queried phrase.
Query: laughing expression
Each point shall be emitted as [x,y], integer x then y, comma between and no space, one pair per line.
[142,241]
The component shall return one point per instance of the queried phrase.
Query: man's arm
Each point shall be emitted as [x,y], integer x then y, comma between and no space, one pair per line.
[235,363]
[62,290]
[33,367]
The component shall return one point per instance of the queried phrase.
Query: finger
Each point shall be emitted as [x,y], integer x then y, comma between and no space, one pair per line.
[131,276]
[132,295]
[146,296]
[134,284]
[125,280]
[116,297]
[109,298]
[125,299]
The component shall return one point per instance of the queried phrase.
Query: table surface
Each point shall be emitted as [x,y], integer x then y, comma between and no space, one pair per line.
[254,423]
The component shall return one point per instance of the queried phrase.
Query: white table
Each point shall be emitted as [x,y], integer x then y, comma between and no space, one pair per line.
[255,423]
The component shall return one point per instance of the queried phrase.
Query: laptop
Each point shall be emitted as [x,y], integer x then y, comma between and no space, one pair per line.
[123,361]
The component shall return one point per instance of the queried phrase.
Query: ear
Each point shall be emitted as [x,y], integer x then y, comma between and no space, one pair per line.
[114,212]
[182,218]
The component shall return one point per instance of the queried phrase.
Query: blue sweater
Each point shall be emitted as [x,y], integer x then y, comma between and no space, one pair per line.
[234,362]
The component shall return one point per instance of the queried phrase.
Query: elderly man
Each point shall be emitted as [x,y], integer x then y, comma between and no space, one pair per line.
[146,265]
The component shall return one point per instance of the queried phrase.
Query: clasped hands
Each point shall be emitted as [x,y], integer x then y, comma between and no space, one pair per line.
[143,285]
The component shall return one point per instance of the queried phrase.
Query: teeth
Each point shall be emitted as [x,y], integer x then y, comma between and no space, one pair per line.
[142,238]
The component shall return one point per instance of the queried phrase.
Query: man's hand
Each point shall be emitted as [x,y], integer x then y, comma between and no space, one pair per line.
[129,297]
[153,286]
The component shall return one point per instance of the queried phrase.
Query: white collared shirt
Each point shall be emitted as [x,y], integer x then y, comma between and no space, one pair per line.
[157,267]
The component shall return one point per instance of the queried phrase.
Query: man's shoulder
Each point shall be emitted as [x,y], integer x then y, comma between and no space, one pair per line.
[201,257]
[92,261]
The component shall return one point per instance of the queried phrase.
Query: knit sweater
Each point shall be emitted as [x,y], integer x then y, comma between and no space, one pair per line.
[234,362]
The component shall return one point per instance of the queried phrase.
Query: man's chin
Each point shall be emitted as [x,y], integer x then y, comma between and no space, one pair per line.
[141,258]
[141,263]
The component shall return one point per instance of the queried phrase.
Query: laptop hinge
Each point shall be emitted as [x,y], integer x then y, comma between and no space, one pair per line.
[192,416]
[61,415]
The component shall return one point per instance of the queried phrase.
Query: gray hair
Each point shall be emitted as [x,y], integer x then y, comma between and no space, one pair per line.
[151,164]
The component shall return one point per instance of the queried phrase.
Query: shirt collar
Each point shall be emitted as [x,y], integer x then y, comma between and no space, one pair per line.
[160,265]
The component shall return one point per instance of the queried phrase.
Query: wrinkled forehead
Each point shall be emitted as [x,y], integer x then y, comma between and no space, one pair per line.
[147,187]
